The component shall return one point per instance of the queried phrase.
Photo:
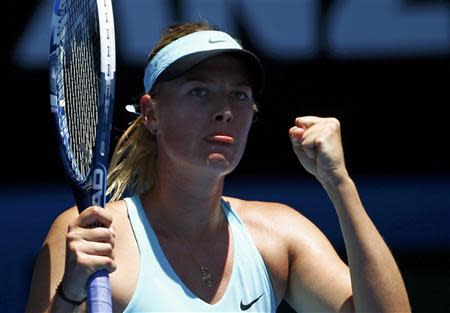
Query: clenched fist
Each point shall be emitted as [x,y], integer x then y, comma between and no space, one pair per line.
[88,249]
[318,146]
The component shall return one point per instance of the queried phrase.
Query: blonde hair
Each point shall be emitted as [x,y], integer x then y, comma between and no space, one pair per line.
[132,167]
[132,164]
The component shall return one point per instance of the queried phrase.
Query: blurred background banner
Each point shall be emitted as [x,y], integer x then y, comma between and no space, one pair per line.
[382,67]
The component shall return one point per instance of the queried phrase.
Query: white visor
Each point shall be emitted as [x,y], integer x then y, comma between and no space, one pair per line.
[196,43]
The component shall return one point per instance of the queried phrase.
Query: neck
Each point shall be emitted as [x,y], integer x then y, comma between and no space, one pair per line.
[185,204]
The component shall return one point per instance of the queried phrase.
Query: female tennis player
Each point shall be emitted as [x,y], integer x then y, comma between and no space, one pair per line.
[178,244]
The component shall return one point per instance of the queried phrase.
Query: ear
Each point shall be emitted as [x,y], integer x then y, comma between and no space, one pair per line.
[149,112]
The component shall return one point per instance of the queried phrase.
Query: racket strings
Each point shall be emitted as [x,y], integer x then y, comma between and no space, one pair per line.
[80,55]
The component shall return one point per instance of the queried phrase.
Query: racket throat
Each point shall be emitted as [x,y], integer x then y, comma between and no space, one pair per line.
[82,196]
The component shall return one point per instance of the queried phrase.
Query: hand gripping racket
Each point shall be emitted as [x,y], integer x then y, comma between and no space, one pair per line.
[82,69]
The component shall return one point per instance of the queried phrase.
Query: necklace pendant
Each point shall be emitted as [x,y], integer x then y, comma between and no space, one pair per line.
[206,276]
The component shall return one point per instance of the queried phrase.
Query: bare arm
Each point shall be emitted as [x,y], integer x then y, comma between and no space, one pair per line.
[71,252]
[376,280]
[376,283]
[49,269]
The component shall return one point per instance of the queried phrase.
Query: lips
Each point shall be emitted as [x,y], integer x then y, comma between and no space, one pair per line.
[220,138]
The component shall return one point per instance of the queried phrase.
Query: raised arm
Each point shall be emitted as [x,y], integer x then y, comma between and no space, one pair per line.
[376,282]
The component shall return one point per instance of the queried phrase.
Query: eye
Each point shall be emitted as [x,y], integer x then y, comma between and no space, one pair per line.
[198,92]
[240,95]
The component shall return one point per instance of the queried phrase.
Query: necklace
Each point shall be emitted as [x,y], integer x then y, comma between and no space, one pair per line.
[204,269]
[206,276]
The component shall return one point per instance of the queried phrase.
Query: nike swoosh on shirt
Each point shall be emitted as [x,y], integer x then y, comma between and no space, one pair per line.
[245,307]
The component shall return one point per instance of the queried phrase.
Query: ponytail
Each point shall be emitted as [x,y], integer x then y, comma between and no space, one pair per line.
[133,162]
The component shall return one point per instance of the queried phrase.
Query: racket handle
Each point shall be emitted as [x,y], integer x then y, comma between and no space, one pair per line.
[99,293]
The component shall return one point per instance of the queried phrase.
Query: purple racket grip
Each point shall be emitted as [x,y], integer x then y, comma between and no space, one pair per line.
[99,293]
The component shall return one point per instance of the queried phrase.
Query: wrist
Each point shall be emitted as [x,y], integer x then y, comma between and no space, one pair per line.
[68,297]
[335,178]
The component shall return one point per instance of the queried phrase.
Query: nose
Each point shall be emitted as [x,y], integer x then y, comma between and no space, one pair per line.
[223,115]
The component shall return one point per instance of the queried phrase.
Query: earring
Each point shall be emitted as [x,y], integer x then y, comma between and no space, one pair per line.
[147,124]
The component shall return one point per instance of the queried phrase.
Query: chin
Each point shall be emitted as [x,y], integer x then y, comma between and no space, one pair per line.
[220,163]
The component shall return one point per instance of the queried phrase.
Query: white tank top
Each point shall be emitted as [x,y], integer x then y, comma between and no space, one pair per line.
[159,289]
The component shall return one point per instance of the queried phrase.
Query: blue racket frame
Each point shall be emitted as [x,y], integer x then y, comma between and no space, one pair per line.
[89,189]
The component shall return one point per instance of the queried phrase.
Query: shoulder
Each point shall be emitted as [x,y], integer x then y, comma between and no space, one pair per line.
[300,237]
[281,235]
[115,208]
[290,244]
[272,217]
[61,223]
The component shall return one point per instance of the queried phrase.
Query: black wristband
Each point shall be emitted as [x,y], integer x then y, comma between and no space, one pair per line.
[60,293]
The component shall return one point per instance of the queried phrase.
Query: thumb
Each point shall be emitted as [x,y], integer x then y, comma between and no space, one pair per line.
[296,135]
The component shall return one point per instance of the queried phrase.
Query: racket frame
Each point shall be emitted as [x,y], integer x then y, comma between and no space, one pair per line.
[90,189]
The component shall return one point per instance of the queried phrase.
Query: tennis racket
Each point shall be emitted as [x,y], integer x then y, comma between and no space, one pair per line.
[82,70]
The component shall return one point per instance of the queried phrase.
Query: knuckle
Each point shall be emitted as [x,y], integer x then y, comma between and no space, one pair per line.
[72,246]
[109,248]
[318,141]
[106,235]
[335,122]
[80,258]
[72,236]
[109,219]
[96,211]
[112,235]
[104,215]
[110,263]
[112,243]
